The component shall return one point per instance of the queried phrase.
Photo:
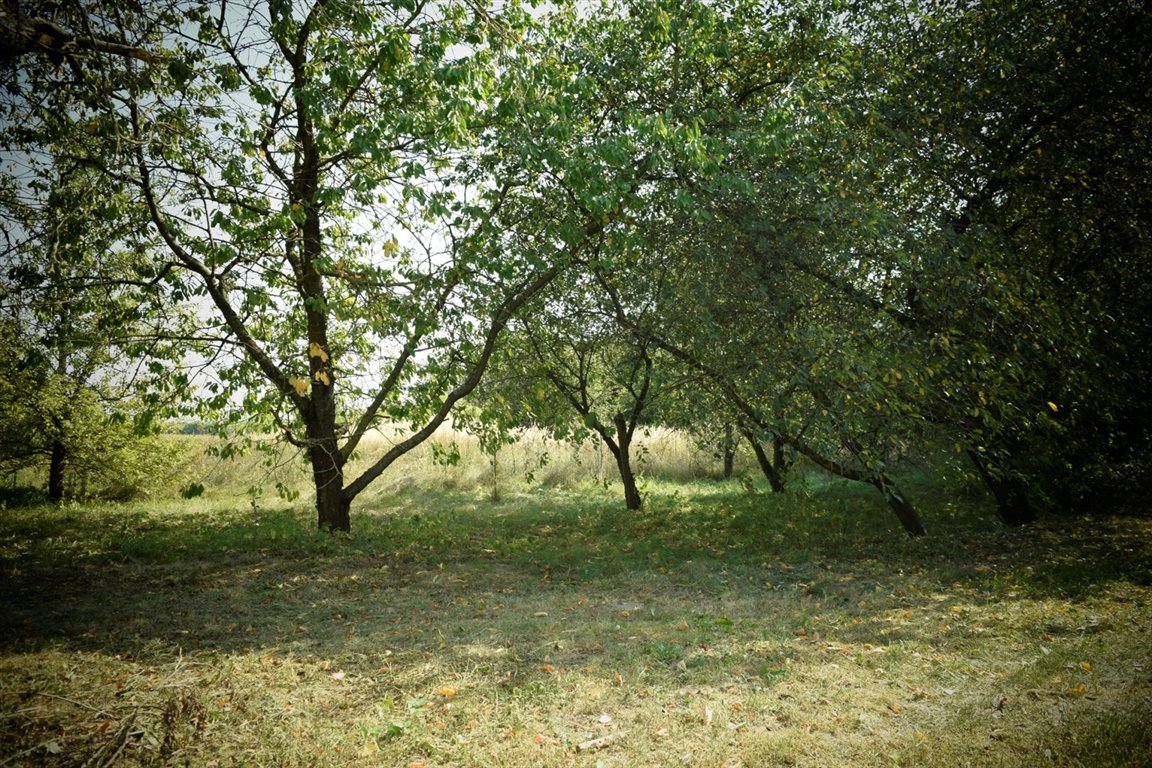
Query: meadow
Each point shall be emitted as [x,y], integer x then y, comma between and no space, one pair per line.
[516,615]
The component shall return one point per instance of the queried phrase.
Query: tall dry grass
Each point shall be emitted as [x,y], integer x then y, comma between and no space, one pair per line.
[452,460]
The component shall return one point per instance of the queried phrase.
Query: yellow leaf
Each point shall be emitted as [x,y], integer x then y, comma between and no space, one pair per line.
[322,376]
[1052,405]
[301,386]
[368,749]
[315,350]
[1086,666]
[447,691]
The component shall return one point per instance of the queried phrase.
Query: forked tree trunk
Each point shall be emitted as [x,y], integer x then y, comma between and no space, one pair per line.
[772,468]
[621,450]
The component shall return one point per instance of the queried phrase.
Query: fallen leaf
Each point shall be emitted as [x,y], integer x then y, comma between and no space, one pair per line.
[599,743]
[338,675]
[547,668]
[447,691]
[368,749]
[617,679]
[1086,666]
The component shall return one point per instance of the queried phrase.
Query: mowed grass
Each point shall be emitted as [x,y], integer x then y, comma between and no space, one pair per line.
[717,627]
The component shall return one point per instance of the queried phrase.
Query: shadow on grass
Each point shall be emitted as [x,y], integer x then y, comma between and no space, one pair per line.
[543,612]
[439,567]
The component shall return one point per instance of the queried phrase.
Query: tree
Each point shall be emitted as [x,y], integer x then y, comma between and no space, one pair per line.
[891,243]
[569,362]
[1011,167]
[289,166]
[361,197]
[706,278]
[71,322]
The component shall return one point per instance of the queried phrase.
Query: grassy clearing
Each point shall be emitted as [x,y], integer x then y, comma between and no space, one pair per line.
[715,628]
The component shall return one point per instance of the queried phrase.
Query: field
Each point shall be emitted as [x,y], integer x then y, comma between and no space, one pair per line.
[480,618]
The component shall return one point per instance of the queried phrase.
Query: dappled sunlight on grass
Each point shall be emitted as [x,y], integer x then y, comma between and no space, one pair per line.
[714,627]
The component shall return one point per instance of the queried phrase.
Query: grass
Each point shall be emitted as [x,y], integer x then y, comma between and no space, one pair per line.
[717,627]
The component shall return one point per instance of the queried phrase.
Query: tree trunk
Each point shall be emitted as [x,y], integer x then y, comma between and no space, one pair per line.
[729,448]
[622,451]
[903,508]
[332,505]
[1009,491]
[632,498]
[332,502]
[56,465]
[770,468]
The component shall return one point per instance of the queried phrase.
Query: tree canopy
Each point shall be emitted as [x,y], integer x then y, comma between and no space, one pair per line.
[851,230]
